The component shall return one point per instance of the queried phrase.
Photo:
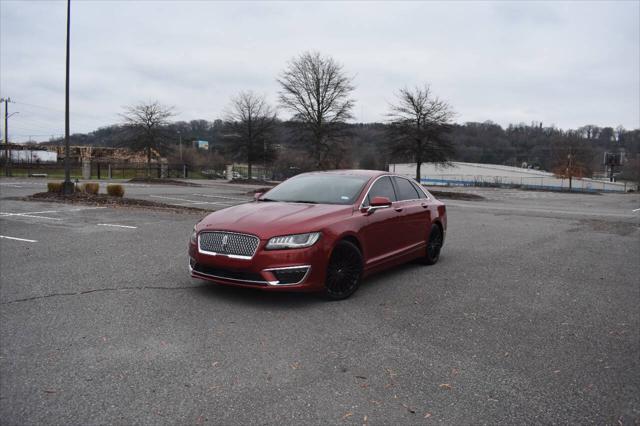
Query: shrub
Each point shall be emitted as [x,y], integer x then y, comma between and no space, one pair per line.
[115,190]
[54,186]
[91,188]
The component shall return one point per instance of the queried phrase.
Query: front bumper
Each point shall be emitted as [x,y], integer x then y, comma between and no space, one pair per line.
[271,270]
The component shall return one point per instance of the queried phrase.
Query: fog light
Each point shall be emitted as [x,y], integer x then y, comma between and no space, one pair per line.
[291,275]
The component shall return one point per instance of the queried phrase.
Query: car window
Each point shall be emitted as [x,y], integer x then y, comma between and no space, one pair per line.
[318,189]
[382,188]
[420,191]
[406,191]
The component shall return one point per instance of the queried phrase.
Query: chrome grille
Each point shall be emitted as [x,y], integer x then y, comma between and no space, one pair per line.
[229,243]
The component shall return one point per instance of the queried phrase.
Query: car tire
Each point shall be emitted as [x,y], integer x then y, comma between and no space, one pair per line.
[344,271]
[434,246]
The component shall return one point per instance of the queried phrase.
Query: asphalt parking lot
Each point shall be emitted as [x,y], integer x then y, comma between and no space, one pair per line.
[532,315]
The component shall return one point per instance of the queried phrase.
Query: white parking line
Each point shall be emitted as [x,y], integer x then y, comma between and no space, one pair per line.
[51,211]
[33,214]
[176,199]
[220,196]
[18,239]
[27,215]
[192,202]
[117,226]
[20,214]
[205,202]
[83,208]
[636,210]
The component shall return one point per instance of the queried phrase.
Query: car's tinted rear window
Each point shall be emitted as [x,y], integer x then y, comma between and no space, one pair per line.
[406,191]
[417,186]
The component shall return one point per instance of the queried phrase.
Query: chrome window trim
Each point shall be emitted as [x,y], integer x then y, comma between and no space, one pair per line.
[369,190]
[277,283]
[232,256]
[397,201]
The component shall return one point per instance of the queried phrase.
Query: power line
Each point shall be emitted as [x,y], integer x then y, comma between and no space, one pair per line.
[34,127]
[39,106]
[35,135]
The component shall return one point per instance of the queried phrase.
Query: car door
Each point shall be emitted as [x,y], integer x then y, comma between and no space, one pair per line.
[414,217]
[379,234]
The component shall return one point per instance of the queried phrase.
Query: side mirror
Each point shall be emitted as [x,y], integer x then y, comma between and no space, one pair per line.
[380,202]
[257,195]
[377,203]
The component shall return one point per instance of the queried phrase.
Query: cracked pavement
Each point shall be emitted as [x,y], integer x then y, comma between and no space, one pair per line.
[531,316]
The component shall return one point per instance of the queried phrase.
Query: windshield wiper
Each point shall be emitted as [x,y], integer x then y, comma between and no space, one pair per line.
[303,201]
[266,199]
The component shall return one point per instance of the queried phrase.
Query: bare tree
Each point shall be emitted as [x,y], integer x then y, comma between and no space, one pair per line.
[589,131]
[145,127]
[251,120]
[572,156]
[317,91]
[419,126]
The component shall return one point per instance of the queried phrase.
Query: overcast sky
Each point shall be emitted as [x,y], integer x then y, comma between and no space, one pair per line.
[566,64]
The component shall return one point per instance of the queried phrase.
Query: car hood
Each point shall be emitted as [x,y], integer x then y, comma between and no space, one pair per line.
[269,219]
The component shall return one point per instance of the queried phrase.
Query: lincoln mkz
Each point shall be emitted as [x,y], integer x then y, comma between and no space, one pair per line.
[320,231]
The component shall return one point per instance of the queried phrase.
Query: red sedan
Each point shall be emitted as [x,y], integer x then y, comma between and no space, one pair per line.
[321,231]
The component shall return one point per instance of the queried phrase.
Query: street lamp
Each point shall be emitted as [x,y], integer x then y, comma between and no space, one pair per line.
[180,144]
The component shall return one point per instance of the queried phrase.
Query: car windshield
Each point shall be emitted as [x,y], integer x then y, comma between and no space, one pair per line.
[318,189]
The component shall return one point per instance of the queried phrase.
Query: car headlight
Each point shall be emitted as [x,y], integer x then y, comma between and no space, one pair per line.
[194,236]
[293,241]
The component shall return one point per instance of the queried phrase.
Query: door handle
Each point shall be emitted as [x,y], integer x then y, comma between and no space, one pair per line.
[424,205]
[398,209]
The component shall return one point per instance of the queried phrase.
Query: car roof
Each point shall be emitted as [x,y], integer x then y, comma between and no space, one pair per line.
[352,172]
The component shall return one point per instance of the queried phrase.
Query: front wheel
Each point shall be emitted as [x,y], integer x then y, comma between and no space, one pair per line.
[344,271]
[434,245]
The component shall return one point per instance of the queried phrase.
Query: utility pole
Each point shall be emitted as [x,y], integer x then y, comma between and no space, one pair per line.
[68,186]
[180,144]
[6,135]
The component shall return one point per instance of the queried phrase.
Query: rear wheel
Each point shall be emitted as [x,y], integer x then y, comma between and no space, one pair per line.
[344,271]
[434,245]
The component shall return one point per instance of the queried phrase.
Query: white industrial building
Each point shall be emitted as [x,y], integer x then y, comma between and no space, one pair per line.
[476,174]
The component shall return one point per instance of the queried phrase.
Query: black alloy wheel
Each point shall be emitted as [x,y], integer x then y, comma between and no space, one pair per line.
[434,245]
[344,271]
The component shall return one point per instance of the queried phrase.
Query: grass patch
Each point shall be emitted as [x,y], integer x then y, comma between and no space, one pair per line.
[162,181]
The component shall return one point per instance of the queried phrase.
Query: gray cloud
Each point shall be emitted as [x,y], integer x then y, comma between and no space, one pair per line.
[566,64]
